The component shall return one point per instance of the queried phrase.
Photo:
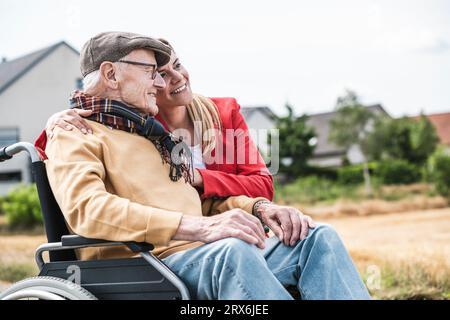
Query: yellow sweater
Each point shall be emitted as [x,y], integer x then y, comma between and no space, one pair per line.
[113,185]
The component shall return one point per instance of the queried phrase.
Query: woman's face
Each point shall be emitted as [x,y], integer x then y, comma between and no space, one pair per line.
[178,89]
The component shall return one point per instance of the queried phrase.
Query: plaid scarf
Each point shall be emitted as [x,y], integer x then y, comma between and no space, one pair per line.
[173,150]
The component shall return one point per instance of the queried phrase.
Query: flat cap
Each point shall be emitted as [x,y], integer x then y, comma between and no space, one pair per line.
[113,45]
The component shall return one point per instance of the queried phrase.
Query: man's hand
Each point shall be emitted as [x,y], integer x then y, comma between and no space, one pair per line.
[289,224]
[234,223]
[68,120]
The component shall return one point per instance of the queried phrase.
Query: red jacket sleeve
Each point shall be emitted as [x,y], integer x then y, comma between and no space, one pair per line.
[40,144]
[252,180]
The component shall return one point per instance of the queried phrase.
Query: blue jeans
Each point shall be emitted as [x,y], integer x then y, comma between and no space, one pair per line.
[319,266]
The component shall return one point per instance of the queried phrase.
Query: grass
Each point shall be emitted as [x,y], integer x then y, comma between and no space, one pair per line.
[5,229]
[322,197]
[344,207]
[400,255]
[312,190]
[411,282]
[14,272]
[406,280]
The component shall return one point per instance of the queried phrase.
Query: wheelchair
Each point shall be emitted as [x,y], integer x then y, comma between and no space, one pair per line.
[64,277]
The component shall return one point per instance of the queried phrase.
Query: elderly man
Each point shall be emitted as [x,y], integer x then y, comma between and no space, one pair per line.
[119,185]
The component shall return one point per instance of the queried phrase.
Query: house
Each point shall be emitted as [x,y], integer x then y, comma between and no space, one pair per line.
[441,122]
[328,154]
[32,88]
[260,120]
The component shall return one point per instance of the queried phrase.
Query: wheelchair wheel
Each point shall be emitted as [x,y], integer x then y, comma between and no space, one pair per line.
[46,288]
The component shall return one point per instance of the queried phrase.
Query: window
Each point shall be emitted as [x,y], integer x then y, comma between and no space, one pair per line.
[8,136]
[10,176]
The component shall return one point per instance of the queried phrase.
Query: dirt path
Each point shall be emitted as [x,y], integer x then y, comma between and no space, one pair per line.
[19,248]
[417,235]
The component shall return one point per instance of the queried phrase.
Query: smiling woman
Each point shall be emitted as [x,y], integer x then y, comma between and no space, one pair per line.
[180,109]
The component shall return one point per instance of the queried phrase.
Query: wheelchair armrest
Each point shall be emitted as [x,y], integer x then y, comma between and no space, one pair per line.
[76,240]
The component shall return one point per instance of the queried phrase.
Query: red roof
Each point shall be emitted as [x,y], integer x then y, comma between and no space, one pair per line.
[441,122]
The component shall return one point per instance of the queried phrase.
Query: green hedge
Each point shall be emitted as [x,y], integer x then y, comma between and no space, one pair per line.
[323,173]
[22,207]
[354,174]
[397,172]
[312,189]
[350,175]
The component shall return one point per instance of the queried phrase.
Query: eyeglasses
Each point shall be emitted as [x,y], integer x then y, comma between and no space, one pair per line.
[154,70]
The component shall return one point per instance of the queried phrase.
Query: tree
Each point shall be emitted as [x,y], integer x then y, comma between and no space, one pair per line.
[352,126]
[295,138]
[390,139]
[424,140]
[439,170]
[403,138]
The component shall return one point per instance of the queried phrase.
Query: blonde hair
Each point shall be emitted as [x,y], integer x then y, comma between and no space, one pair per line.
[203,110]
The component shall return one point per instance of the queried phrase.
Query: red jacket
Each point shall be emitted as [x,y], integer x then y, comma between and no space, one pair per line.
[224,179]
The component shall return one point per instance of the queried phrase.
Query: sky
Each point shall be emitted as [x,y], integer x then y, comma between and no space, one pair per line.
[267,53]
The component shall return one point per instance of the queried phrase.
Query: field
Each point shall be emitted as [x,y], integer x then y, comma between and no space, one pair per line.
[402,255]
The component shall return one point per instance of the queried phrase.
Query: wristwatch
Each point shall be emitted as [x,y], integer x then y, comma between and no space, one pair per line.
[258,215]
